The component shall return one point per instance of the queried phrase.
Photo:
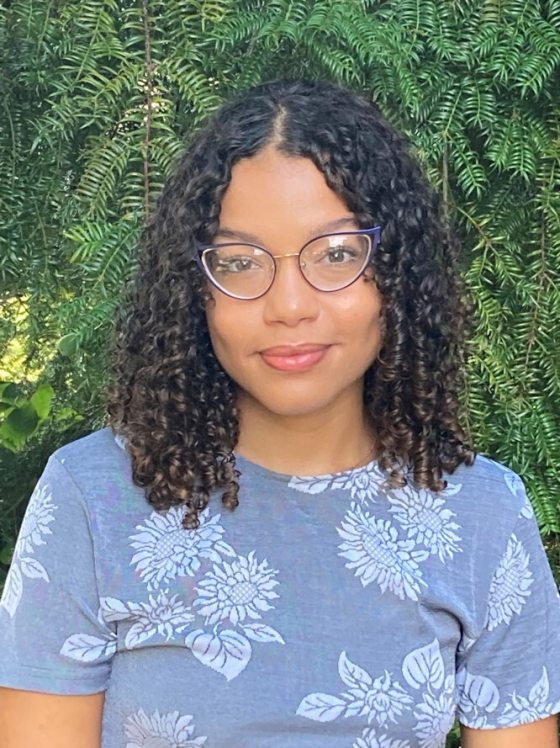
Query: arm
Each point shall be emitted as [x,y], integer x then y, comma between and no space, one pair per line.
[39,720]
[543,733]
[52,692]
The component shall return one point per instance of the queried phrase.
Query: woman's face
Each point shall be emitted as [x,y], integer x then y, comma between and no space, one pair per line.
[282,202]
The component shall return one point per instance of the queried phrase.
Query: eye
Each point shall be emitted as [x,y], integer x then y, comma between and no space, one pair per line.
[239,264]
[339,254]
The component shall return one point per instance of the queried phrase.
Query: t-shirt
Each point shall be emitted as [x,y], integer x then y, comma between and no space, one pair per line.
[324,612]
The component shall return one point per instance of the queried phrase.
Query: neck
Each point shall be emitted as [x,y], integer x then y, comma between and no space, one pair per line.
[329,441]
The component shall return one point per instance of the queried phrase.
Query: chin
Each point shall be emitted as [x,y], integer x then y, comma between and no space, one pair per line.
[291,407]
[286,410]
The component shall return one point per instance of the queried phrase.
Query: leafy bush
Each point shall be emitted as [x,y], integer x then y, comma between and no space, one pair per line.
[99,95]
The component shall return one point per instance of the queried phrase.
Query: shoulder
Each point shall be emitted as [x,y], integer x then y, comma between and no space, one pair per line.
[94,475]
[98,443]
[488,494]
[97,464]
[100,450]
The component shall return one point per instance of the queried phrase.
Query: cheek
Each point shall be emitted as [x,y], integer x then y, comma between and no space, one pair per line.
[362,316]
[226,327]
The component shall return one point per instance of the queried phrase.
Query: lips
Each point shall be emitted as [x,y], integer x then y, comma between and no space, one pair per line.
[294,357]
[293,350]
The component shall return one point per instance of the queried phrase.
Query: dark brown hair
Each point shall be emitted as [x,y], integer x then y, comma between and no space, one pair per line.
[170,398]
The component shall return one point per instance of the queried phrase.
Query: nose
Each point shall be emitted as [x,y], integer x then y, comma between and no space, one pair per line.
[290,299]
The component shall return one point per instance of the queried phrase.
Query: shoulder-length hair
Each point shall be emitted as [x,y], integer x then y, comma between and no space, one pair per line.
[170,398]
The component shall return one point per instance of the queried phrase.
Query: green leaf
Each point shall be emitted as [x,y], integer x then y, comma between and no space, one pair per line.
[8,392]
[23,420]
[41,400]
[68,344]
[6,554]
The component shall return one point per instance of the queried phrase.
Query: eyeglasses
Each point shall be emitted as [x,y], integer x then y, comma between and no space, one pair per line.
[328,262]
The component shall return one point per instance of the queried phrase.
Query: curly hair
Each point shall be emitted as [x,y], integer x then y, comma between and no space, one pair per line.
[171,400]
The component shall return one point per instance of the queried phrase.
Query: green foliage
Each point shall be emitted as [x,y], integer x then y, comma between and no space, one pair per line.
[98,96]
[22,417]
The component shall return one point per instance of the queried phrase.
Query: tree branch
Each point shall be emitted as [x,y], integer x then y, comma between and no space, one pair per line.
[149,75]
[542,279]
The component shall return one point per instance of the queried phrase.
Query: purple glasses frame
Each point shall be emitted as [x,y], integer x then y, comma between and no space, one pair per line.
[374,235]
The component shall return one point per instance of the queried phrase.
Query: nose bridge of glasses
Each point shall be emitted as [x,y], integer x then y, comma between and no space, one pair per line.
[288,270]
[290,254]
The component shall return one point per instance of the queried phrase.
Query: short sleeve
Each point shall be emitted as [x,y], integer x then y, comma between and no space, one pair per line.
[52,636]
[510,674]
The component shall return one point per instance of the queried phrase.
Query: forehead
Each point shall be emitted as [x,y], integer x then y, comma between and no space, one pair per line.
[271,193]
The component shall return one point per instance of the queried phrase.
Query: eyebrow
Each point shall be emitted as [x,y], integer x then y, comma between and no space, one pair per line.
[322,229]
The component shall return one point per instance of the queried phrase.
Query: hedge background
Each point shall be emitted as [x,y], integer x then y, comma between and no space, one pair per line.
[96,98]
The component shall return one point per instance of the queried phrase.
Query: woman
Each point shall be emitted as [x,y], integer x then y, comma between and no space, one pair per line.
[285,538]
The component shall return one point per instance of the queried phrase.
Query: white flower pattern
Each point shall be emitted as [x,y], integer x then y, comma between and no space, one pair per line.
[233,593]
[165,550]
[478,698]
[362,483]
[236,590]
[427,520]
[376,554]
[369,739]
[372,545]
[161,731]
[89,648]
[424,670]
[534,706]
[380,700]
[510,586]
[38,516]
[435,716]
[161,615]
[383,700]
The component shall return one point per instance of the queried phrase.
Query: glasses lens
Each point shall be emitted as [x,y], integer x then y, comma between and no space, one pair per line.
[334,261]
[240,270]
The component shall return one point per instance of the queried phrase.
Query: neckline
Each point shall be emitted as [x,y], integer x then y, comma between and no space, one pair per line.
[263,471]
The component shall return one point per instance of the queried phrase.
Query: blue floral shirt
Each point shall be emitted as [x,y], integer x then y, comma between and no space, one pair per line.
[324,612]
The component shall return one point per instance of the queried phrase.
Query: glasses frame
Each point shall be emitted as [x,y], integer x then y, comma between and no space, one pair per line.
[374,235]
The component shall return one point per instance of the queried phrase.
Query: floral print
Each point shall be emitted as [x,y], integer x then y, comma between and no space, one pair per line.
[435,716]
[163,615]
[362,483]
[535,705]
[424,670]
[376,554]
[478,697]
[481,697]
[89,648]
[34,528]
[236,591]
[165,551]
[380,700]
[214,600]
[383,700]
[161,731]
[510,586]
[374,547]
[231,594]
[369,739]
[427,520]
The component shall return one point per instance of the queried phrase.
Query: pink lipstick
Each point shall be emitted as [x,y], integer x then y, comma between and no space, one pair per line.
[294,358]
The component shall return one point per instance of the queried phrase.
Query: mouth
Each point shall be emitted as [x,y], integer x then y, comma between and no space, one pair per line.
[294,357]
